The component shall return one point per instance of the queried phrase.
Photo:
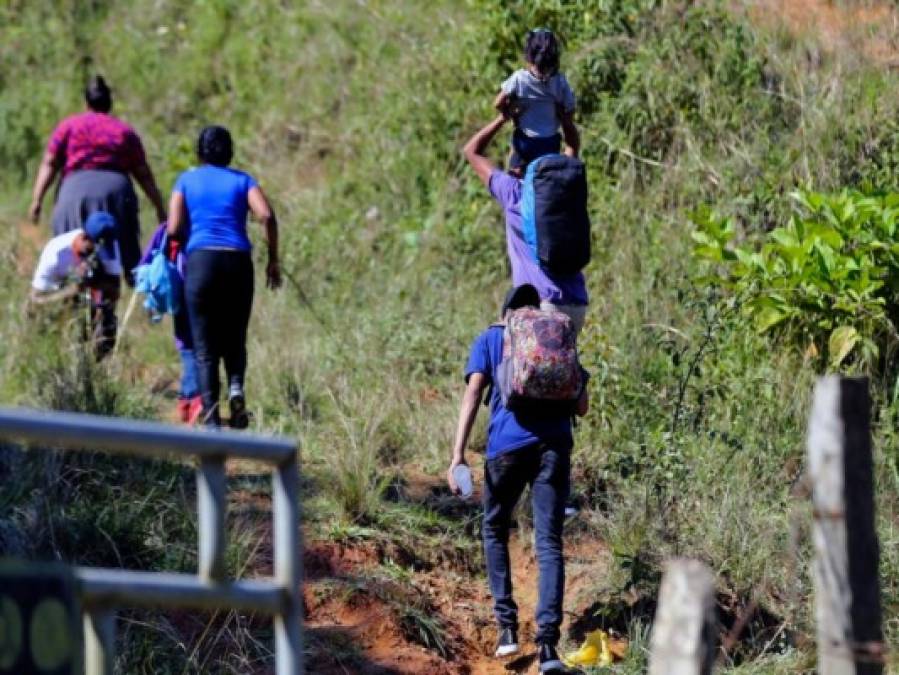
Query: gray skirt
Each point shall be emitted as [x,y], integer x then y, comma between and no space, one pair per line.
[84,192]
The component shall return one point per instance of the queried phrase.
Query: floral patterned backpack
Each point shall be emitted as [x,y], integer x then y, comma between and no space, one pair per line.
[540,370]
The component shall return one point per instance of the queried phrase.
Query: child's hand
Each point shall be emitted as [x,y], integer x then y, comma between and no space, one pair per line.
[501,103]
[508,105]
[570,133]
[513,108]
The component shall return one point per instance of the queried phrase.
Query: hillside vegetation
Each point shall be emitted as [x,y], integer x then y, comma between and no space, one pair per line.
[696,117]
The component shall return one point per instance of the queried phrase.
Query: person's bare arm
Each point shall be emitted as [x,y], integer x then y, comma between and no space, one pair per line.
[47,297]
[261,208]
[583,404]
[476,146]
[501,102]
[45,174]
[144,176]
[468,412]
[570,134]
[176,227]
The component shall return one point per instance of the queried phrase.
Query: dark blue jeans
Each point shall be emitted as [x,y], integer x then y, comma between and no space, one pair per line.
[547,470]
[190,378]
[525,149]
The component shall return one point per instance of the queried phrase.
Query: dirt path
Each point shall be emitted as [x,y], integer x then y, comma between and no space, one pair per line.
[350,624]
[358,628]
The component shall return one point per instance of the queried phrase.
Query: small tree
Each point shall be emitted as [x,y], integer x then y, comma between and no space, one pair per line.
[825,281]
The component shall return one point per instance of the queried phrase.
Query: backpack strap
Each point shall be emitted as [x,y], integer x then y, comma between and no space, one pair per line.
[498,324]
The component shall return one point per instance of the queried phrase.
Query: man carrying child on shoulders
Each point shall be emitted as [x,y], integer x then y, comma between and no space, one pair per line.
[565,291]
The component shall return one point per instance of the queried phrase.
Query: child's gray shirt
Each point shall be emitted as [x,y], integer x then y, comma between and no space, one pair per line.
[538,100]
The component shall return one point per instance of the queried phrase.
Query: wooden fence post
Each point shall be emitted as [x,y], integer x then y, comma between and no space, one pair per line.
[683,633]
[847,591]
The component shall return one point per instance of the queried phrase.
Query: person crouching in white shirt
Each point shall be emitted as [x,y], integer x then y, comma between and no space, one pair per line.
[80,262]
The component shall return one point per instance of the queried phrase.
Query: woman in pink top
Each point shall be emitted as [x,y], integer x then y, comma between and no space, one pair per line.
[95,154]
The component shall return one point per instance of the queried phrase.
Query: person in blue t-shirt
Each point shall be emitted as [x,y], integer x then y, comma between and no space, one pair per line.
[522,449]
[208,210]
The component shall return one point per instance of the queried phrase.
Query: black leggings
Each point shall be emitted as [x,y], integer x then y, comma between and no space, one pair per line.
[219,293]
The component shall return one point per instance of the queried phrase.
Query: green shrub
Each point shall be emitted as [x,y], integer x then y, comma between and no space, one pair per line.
[825,281]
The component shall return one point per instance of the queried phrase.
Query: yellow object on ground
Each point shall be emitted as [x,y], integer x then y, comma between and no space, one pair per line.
[596,651]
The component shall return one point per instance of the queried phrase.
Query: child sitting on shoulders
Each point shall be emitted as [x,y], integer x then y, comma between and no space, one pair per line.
[539,99]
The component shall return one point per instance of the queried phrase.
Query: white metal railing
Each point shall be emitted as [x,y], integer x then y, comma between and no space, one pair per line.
[103,591]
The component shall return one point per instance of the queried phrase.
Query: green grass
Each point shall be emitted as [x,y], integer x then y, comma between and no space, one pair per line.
[352,116]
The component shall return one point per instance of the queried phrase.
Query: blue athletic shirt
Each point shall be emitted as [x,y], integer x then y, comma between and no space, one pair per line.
[507,430]
[217,206]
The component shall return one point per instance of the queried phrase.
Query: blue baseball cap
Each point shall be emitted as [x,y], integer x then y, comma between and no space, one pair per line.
[100,226]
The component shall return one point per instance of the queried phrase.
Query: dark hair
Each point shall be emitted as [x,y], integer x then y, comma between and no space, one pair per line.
[98,95]
[542,49]
[215,146]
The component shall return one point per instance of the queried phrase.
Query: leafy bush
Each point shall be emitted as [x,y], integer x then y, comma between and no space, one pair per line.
[646,72]
[825,281]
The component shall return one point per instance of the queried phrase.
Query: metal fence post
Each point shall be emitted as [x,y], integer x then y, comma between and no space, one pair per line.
[99,641]
[211,505]
[102,591]
[288,568]
[847,591]
[683,633]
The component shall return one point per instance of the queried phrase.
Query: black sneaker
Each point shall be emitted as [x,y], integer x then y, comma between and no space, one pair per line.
[238,407]
[508,643]
[549,660]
